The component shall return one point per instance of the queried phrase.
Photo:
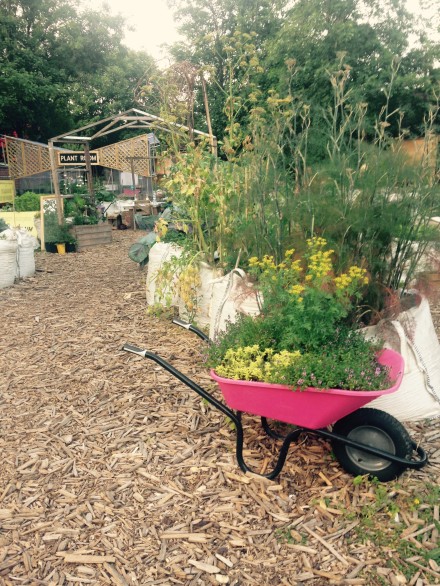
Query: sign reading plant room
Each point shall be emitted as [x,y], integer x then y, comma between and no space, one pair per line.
[76,158]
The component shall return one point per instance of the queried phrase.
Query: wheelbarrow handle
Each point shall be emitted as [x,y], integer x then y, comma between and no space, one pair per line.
[235,417]
[134,349]
[191,328]
[183,378]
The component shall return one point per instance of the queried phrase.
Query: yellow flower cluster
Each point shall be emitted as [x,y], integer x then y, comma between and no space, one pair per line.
[251,363]
[355,276]
[161,228]
[320,263]
[316,243]
[318,267]
[188,286]
[297,290]
[268,263]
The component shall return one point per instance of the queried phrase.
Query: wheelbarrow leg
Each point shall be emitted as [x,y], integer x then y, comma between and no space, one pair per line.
[274,434]
[288,439]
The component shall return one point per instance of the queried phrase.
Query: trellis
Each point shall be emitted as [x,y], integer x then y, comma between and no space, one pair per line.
[132,155]
[26,158]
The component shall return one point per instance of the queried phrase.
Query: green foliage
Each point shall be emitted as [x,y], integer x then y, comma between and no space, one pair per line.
[191,187]
[27,202]
[81,210]
[370,36]
[3,225]
[62,67]
[55,233]
[210,29]
[303,336]
[296,170]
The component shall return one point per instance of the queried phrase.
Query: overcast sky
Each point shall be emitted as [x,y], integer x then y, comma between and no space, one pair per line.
[152,22]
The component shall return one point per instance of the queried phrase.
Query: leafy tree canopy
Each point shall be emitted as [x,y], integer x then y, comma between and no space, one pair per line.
[294,48]
[225,38]
[61,68]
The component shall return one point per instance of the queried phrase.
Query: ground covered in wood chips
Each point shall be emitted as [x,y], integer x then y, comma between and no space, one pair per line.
[113,472]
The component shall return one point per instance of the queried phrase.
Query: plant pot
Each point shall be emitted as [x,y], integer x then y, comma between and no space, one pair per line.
[311,408]
[61,248]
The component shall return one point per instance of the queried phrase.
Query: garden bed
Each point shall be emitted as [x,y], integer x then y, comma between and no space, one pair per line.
[88,236]
[114,473]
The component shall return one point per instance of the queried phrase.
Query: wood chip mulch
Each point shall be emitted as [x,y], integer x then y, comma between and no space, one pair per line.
[113,472]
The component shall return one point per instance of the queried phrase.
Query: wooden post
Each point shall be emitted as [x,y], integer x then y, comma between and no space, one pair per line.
[213,139]
[42,234]
[56,184]
[89,172]
[133,178]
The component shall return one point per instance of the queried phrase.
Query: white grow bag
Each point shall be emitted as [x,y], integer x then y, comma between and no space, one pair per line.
[26,257]
[232,295]
[413,335]
[160,253]
[8,262]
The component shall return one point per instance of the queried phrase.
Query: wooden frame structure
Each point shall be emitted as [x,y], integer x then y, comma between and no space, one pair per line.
[26,157]
[130,119]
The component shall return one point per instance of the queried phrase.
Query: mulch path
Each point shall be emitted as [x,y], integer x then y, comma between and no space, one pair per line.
[113,472]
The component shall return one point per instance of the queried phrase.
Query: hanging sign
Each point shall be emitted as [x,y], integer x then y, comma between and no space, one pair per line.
[76,158]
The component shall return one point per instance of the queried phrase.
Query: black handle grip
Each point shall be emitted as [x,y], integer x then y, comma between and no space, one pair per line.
[191,328]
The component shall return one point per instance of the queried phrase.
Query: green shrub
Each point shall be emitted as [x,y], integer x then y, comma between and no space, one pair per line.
[28,202]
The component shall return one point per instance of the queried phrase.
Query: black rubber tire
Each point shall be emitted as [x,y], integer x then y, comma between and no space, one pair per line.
[377,429]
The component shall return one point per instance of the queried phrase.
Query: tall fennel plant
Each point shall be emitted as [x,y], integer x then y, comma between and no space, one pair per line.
[372,203]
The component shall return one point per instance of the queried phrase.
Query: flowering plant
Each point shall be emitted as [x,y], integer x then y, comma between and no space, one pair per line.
[307,332]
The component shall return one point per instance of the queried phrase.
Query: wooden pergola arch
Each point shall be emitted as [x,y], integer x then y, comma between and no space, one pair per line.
[136,155]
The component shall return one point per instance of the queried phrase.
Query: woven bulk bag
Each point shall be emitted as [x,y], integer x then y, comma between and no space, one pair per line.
[208,276]
[8,262]
[25,257]
[160,253]
[413,335]
[232,295]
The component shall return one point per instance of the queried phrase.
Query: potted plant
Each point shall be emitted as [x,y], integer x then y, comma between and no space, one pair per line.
[58,237]
[63,237]
[307,336]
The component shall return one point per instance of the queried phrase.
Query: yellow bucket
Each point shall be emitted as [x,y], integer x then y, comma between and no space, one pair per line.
[61,248]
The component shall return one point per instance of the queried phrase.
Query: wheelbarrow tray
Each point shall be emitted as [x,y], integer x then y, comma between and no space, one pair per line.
[311,408]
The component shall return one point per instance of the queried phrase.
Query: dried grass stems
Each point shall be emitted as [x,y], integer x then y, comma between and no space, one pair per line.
[114,473]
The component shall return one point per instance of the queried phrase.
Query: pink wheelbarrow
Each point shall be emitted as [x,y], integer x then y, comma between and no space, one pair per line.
[363,440]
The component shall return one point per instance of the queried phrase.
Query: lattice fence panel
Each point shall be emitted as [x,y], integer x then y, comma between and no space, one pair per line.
[26,158]
[122,155]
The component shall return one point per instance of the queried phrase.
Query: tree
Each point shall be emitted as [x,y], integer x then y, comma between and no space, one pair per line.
[61,68]
[387,50]
[221,38]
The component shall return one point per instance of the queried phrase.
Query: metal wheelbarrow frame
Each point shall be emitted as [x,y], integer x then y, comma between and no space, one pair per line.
[389,452]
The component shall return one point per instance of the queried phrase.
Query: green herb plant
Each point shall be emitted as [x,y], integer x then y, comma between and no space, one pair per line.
[306,334]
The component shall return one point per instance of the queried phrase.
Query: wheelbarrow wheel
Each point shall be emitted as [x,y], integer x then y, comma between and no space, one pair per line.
[376,429]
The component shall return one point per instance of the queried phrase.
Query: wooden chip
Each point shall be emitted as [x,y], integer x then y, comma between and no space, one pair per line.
[78,558]
[208,568]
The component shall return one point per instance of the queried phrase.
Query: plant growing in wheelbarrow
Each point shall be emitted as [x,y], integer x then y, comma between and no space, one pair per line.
[303,361]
